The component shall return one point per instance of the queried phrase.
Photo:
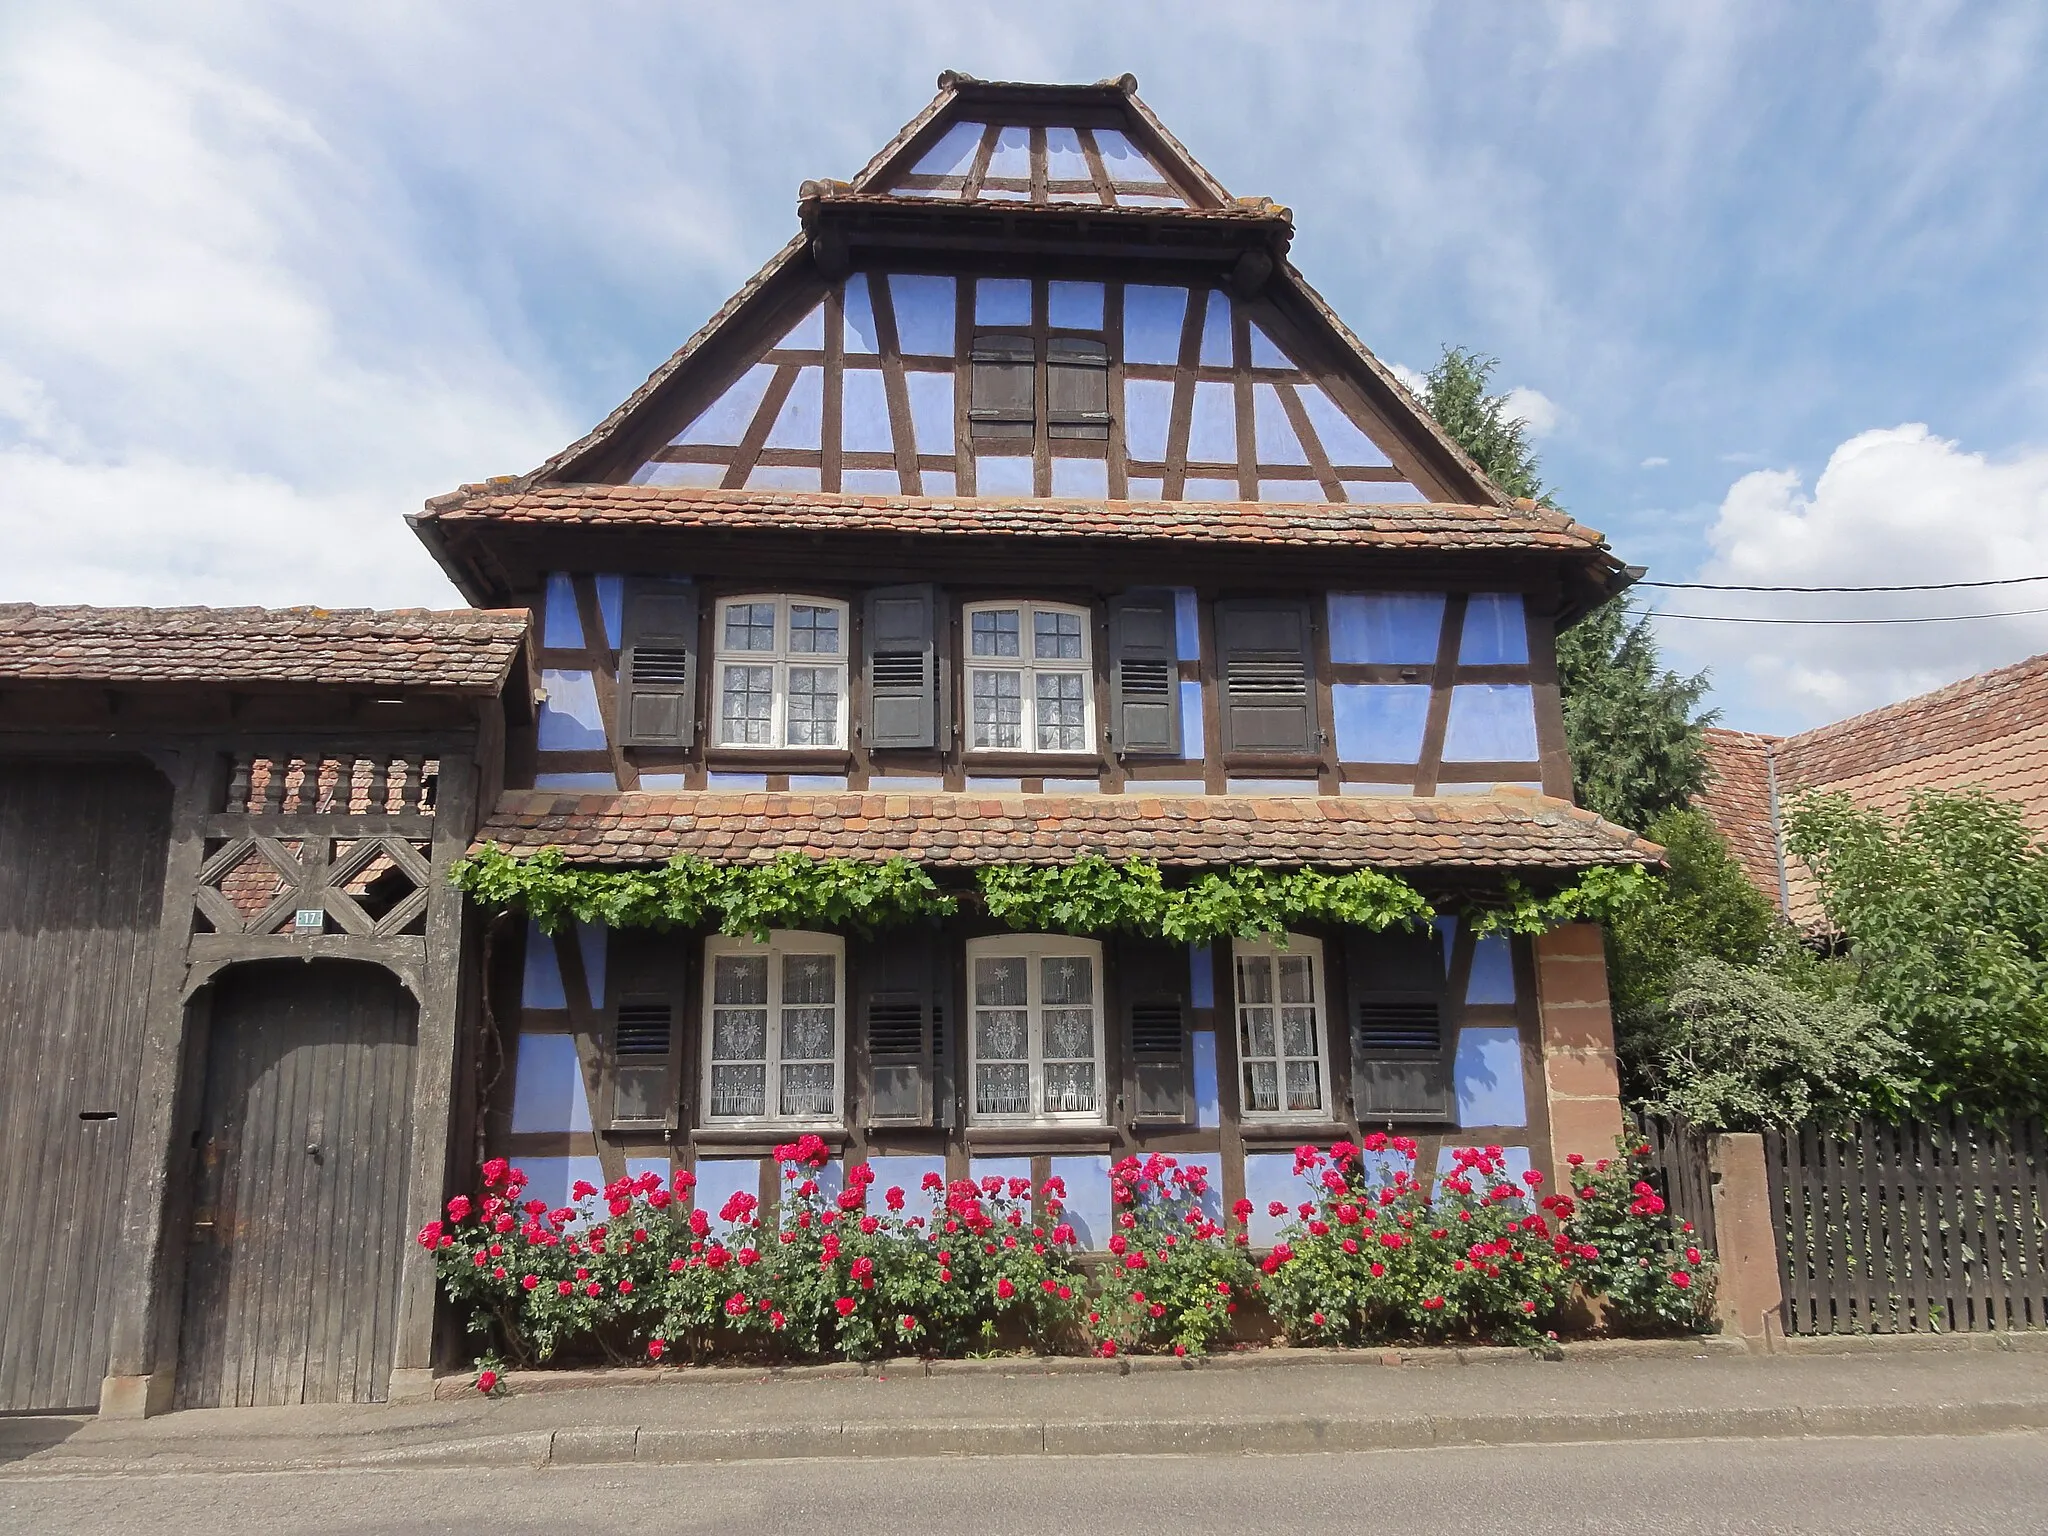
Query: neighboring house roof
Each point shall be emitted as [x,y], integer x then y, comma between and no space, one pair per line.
[1738,800]
[1512,830]
[1988,732]
[464,651]
[1321,524]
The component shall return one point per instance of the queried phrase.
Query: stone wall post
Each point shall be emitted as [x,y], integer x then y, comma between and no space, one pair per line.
[1580,1081]
[1750,1290]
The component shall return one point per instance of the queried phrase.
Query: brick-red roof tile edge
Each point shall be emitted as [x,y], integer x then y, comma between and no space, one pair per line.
[464,650]
[1398,525]
[1503,832]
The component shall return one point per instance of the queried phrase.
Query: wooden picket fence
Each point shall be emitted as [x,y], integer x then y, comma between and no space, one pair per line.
[1678,1153]
[1938,1226]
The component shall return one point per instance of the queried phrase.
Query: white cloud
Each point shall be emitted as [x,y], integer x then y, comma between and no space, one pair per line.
[225,381]
[1893,506]
[1654,461]
[1536,411]
[1418,385]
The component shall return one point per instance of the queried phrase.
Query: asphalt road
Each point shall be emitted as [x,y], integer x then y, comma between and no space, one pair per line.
[1991,1483]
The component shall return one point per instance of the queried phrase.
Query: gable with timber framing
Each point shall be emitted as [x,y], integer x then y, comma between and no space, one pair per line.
[1032,291]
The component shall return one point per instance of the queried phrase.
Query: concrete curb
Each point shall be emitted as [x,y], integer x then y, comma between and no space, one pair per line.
[530,1383]
[616,1445]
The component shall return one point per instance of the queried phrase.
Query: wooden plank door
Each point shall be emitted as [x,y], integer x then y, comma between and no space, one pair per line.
[291,1292]
[82,849]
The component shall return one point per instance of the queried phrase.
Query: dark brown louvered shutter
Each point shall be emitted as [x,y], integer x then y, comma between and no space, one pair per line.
[1144,676]
[899,642]
[1076,388]
[658,669]
[643,1028]
[1004,402]
[1267,664]
[900,982]
[1152,987]
[1400,1046]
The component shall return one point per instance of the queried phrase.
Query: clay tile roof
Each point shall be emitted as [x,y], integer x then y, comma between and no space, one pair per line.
[1427,526]
[1737,800]
[466,651]
[1988,732]
[1505,832]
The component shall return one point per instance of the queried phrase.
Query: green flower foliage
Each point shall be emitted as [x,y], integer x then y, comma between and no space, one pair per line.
[1945,911]
[754,899]
[1090,895]
[1604,894]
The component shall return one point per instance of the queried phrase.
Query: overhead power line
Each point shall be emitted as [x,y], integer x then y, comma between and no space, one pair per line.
[1925,586]
[1938,618]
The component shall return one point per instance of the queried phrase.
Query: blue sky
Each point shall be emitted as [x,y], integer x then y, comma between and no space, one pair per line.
[1769,278]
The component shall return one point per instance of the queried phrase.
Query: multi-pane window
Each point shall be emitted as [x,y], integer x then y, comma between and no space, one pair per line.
[774,1028]
[781,672]
[1037,1028]
[1280,1027]
[1030,684]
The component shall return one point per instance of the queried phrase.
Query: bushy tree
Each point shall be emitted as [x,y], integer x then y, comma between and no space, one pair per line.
[1945,910]
[1456,394]
[1740,1048]
[1633,726]
[1705,906]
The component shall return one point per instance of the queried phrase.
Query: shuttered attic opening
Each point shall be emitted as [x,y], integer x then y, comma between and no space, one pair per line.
[1077,388]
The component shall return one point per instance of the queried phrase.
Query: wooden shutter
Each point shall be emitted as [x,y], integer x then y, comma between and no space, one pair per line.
[1144,676]
[1076,388]
[1004,401]
[1268,675]
[899,642]
[658,671]
[1152,984]
[643,1027]
[900,984]
[1400,1034]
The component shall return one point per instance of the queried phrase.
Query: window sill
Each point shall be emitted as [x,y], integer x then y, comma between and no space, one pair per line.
[1292,1132]
[1096,1138]
[764,1139]
[1272,764]
[1034,765]
[777,759]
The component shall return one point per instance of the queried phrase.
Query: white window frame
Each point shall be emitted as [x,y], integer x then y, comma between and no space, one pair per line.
[1029,667]
[1297,945]
[1034,947]
[780,659]
[775,947]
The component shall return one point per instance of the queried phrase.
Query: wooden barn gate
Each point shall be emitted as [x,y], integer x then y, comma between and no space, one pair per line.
[1937,1226]
[292,1265]
[82,849]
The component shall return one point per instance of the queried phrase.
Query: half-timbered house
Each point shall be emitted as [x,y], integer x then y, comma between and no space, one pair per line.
[1027,504]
